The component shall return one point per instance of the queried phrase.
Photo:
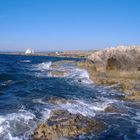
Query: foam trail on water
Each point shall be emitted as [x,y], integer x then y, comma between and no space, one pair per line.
[5,83]
[25,61]
[45,113]
[10,137]
[80,75]
[85,108]
[40,101]
[11,125]
[44,66]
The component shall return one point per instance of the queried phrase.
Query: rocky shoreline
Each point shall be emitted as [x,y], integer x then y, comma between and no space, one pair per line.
[108,72]
[62,124]
[130,86]
[106,69]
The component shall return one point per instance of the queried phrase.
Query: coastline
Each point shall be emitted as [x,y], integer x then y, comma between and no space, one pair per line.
[124,81]
[127,82]
[72,54]
[61,93]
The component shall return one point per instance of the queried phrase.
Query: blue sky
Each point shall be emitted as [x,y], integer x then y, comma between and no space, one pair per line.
[68,24]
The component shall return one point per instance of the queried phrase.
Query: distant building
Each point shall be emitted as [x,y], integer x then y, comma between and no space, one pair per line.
[57,53]
[29,51]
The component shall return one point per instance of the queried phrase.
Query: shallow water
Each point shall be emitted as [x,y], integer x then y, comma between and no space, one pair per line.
[26,84]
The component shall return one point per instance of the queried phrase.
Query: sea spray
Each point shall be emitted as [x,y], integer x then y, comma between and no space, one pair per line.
[44,66]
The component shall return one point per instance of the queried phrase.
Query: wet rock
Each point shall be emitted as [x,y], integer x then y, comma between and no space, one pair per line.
[55,66]
[80,80]
[58,100]
[113,109]
[63,124]
[57,73]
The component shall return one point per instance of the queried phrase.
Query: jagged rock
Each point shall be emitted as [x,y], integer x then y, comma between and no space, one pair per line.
[119,58]
[63,124]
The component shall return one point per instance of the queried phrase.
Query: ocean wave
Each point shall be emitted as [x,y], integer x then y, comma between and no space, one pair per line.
[44,66]
[80,75]
[40,101]
[45,113]
[58,74]
[12,125]
[5,83]
[25,61]
[10,137]
[85,108]
[68,71]
[137,117]
[136,120]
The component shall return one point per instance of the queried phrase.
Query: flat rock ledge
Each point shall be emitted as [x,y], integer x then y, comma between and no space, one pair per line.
[58,100]
[63,124]
[113,109]
[58,73]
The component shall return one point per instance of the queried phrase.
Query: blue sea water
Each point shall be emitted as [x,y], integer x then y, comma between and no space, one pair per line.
[26,84]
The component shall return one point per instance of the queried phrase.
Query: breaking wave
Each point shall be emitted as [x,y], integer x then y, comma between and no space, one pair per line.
[14,124]
[44,66]
[89,100]
[80,75]
[63,70]
[87,108]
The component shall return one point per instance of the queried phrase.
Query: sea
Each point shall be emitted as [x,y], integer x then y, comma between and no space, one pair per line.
[27,83]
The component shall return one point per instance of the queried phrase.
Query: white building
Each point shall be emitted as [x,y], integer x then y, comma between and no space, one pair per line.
[29,51]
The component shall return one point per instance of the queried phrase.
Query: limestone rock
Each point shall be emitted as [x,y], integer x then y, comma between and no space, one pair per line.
[59,100]
[113,109]
[63,124]
[117,58]
[57,73]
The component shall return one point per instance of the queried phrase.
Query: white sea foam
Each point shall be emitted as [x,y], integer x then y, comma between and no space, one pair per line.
[44,66]
[10,137]
[2,119]
[85,108]
[40,101]
[80,75]
[25,61]
[15,122]
[137,117]
[45,113]
[64,74]
[136,121]
[6,83]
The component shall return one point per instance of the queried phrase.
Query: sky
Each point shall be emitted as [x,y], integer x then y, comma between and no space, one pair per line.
[48,25]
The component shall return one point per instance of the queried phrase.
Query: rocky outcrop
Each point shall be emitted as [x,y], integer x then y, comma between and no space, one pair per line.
[88,64]
[63,124]
[120,58]
[113,109]
[58,100]
[57,73]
